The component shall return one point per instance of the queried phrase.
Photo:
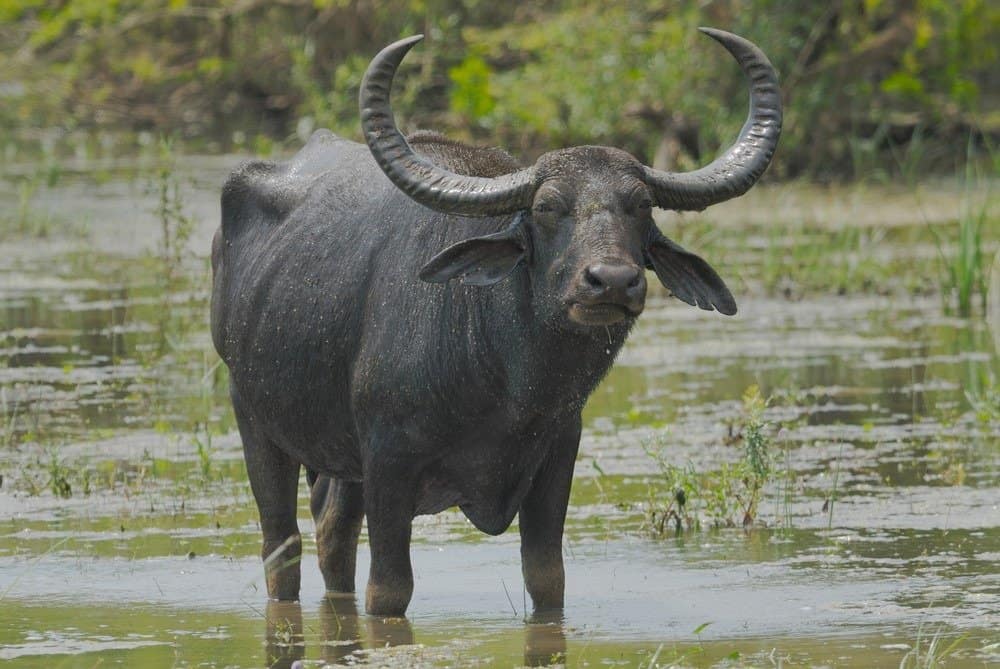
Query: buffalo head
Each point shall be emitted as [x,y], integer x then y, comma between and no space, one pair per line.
[583,215]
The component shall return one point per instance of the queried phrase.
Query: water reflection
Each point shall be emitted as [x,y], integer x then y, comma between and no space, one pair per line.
[340,628]
[285,642]
[339,625]
[344,634]
[545,640]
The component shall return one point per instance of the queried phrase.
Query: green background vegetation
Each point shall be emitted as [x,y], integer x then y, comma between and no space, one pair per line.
[872,87]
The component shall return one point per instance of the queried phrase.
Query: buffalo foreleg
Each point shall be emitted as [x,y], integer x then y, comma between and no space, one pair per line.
[389,494]
[541,519]
[338,508]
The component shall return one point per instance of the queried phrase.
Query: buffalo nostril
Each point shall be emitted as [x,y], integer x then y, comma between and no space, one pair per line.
[634,283]
[592,278]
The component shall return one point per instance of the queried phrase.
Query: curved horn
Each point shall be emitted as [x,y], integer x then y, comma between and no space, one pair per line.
[417,176]
[733,173]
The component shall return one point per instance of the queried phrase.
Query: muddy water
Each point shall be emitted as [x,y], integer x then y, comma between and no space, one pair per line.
[128,534]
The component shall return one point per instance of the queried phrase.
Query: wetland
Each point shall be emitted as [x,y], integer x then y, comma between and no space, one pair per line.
[129,537]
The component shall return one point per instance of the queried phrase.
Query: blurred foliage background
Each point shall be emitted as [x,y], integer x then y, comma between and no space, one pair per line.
[872,87]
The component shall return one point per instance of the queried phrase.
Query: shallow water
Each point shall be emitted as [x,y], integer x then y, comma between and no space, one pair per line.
[128,535]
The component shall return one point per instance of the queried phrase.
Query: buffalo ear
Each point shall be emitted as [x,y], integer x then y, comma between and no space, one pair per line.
[688,277]
[480,261]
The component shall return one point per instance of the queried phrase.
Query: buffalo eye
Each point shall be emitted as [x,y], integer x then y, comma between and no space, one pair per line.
[642,202]
[549,205]
[637,201]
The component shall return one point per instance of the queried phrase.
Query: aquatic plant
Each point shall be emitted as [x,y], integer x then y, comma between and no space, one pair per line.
[757,456]
[204,448]
[205,414]
[8,416]
[59,477]
[175,225]
[985,400]
[965,270]
[832,499]
[962,255]
[672,509]
[688,499]
[933,655]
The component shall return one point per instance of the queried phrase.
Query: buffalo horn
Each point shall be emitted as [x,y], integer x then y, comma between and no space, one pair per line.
[733,173]
[417,176]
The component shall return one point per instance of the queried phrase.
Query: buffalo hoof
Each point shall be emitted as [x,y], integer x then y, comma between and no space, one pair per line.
[381,600]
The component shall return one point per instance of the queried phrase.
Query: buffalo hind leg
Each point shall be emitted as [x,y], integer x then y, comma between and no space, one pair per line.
[541,519]
[338,507]
[389,494]
[274,480]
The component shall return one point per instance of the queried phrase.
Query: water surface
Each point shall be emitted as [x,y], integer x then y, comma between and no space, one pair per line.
[128,535]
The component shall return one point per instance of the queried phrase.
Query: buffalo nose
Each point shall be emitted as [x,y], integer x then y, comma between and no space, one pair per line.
[613,278]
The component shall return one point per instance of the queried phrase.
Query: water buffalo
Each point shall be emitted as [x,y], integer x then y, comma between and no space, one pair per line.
[419,322]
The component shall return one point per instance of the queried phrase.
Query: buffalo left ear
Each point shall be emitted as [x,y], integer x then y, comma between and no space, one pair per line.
[480,261]
[688,277]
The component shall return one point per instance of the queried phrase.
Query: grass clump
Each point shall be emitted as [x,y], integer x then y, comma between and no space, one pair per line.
[59,478]
[688,499]
[965,274]
[930,653]
[966,270]
[963,256]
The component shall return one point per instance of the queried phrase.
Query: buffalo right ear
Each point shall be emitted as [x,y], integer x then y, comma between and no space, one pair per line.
[480,261]
[687,276]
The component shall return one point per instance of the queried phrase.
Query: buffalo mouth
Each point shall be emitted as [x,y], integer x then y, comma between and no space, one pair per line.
[601,313]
